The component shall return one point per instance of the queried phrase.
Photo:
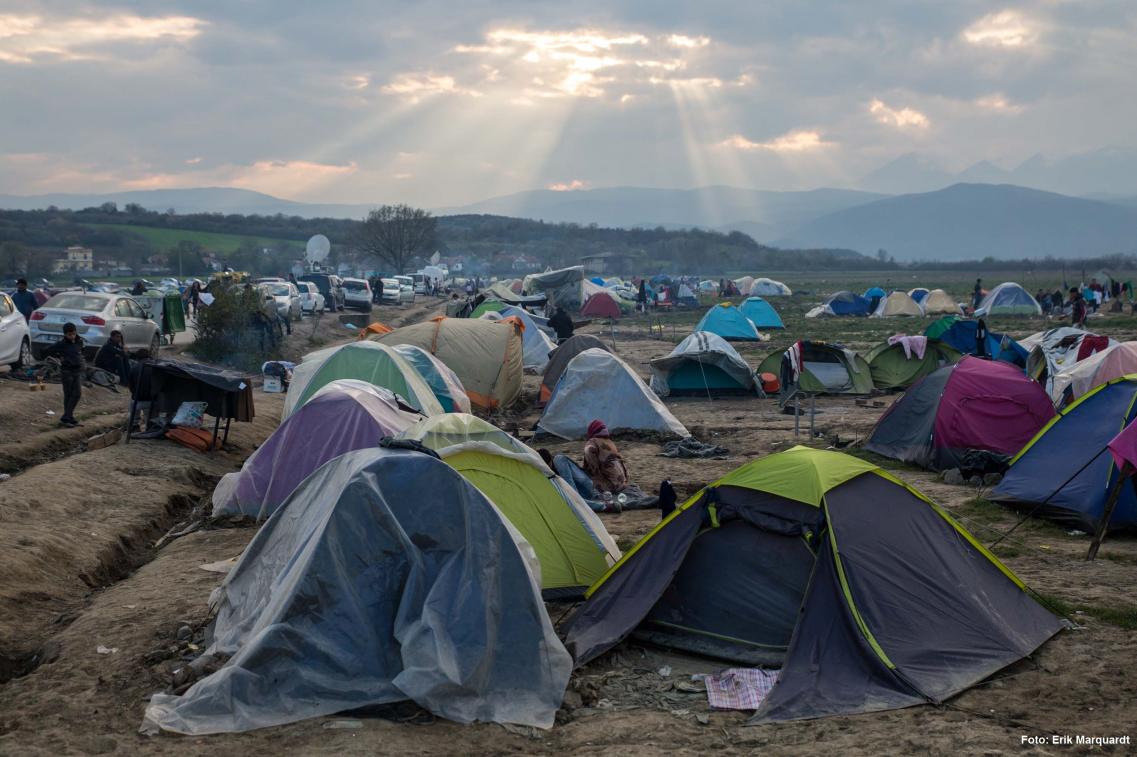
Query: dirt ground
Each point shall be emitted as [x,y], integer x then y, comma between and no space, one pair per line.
[90,609]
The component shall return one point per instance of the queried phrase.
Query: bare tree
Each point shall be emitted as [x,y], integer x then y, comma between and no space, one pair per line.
[395,234]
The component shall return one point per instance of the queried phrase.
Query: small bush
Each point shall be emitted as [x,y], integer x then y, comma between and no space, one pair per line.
[233,330]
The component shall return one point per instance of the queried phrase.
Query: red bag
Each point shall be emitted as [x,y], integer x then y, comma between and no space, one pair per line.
[770,383]
[197,439]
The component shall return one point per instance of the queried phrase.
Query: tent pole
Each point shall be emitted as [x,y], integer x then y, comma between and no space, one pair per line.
[1107,513]
[812,413]
[797,416]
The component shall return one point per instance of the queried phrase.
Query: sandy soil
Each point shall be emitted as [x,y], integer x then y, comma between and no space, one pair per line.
[78,571]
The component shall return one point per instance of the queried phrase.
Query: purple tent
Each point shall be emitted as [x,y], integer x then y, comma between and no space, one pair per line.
[339,419]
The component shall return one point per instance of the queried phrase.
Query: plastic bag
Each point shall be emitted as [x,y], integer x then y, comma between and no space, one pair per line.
[189,414]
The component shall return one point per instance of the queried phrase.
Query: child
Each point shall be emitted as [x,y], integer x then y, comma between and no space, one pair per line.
[69,352]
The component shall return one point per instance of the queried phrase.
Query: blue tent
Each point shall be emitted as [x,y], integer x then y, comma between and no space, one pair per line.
[1066,473]
[847,303]
[727,321]
[918,294]
[961,336]
[597,280]
[874,292]
[761,313]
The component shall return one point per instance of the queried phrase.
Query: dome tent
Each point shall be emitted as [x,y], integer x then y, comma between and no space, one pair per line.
[918,294]
[894,368]
[702,364]
[368,361]
[601,305]
[1008,299]
[340,418]
[536,343]
[1066,473]
[354,594]
[761,313]
[728,322]
[447,388]
[874,295]
[973,406]
[744,284]
[959,334]
[597,384]
[867,594]
[824,369]
[841,303]
[1056,350]
[1078,379]
[447,430]
[559,360]
[896,304]
[763,287]
[939,302]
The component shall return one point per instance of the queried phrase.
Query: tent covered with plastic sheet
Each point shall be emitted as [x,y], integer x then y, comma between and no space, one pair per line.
[702,364]
[961,334]
[764,287]
[897,304]
[509,292]
[342,417]
[368,361]
[354,594]
[761,313]
[939,302]
[1066,473]
[726,321]
[447,430]
[487,356]
[1059,349]
[560,359]
[597,384]
[867,594]
[561,287]
[536,343]
[570,541]
[893,367]
[821,369]
[1008,299]
[841,304]
[974,406]
[445,384]
[1077,380]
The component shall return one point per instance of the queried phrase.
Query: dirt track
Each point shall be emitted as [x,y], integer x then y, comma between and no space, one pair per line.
[72,531]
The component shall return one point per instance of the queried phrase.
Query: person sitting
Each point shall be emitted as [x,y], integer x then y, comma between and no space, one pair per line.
[562,324]
[602,461]
[112,358]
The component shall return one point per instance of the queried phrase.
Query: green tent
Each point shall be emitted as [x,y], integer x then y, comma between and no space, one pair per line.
[571,543]
[937,328]
[374,363]
[892,368]
[439,431]
[825,369]
[488,306]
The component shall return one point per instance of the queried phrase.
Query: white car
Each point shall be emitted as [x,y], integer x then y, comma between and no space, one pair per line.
[406,289]
[395,293]
[285,296]
[357,294]
[95,315]
[311,301]
[15,337]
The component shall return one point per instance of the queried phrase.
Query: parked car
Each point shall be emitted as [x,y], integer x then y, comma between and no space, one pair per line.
[406,289]
[357,294]
[95,315]
[15,337]
[285,296]
[422,283]
[330,285]
[311,301]
[392,292]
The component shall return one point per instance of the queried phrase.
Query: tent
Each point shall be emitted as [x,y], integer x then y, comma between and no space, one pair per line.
[447,430]
[488,306]
[1058,349]
[443,382]
[939,302]
[974,406]
[897,303]
[571,543]
[823,369]
[1008,299]
[1074,381]
[744,284]
[702,364]
[706,286]
[960,334]
[597,384]
[355,594]
[764,287]
[563,287]
[728,322]
[686,297]
[601,305]
[874,295]
[761,313]
[374,363]
[341,417]
[918,294]
[841,303]
[1065,473]
[374,328]
[893,367]
[560,358]
[536,343]
[486,355]
[867,594]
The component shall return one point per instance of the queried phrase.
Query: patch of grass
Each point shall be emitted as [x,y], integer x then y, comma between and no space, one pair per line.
[1122,615]
[164,239]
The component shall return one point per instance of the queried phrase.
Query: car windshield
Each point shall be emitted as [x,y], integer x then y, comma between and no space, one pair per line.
[355,286]
[77,302]
[279,290]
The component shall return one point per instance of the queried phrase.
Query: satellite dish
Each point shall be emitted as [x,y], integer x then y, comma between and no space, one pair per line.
[318,248]
[435,258]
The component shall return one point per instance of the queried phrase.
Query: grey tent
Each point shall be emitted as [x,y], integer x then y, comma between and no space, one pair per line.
[386,576]
[562,287]
[559,360]
[703,364]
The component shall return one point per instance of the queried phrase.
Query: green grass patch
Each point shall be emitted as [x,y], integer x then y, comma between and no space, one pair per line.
[1122,615]
[163,239]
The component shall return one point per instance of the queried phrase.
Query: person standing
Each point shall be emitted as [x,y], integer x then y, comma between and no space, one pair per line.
[641,296]
[977,294]
[1077,308]
[981,339]
[562,324]
[69,352]
[24,300]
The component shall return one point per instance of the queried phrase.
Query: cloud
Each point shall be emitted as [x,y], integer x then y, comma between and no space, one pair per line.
[28,38]
[901,118]
[193,161]
[998,103]
[402,176]
[416,86]
[791,142]
[682,40]
[358,82]
[1006,29]
[569,186]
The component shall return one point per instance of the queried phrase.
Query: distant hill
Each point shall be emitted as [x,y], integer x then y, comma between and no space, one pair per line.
[972,221]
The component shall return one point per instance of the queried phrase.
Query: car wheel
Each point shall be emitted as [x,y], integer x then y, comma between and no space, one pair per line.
[24,358]
[155,344]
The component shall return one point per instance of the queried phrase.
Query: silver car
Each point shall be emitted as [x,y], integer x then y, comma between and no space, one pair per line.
[95,315]
[311,301]
[285,296]
[15,339]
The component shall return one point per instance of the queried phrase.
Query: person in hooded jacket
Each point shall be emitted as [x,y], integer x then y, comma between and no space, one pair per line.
[112,358]
[602,461]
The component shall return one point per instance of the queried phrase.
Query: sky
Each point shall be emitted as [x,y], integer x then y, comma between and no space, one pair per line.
[444,103]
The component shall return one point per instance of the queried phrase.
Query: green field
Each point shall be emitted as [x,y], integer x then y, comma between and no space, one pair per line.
[164,239]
